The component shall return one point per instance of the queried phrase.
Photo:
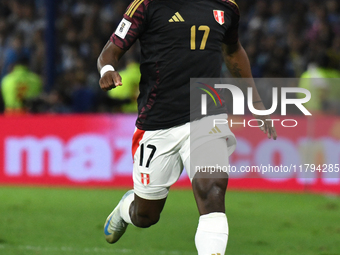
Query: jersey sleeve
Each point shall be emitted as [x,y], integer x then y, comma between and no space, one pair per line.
[231,35]
[132,25]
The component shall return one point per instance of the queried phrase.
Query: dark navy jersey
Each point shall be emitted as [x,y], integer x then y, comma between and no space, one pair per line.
[180,39]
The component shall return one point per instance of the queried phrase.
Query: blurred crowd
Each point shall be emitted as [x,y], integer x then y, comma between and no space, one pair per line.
[283,38]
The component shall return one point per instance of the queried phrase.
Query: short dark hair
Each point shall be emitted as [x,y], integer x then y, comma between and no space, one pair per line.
[23,60]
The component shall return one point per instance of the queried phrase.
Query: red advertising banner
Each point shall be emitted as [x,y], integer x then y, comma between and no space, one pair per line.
[303,158]
[78,150]
[95,151]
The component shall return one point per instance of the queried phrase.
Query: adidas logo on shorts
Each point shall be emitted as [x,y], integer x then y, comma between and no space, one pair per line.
[215,130]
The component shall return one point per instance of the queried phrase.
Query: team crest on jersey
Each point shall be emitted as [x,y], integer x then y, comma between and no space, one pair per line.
[219,17]
[145,178]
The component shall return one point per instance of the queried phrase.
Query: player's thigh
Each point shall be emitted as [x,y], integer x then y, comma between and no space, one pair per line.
[208,160]
[157,164]
[208,148]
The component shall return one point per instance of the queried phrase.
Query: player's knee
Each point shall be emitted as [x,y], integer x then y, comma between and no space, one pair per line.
[209,189]
[145,221]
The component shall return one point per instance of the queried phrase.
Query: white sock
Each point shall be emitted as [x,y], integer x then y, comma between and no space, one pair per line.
[212,234]
[125,208]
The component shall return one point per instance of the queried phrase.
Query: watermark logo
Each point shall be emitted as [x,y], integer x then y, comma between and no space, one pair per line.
[204,97]
[239,102]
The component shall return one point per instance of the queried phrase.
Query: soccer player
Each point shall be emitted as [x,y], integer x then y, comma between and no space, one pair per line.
[180,39]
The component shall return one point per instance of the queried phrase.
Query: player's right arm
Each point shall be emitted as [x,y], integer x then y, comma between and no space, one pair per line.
[128,31]
[107,60]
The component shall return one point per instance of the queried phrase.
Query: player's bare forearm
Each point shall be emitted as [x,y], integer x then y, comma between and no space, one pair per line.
[237,62]
[110,55]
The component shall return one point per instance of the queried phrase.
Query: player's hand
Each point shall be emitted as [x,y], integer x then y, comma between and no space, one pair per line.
[110,80]
[267,126]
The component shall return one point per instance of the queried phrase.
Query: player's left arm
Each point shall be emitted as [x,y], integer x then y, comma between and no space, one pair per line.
[238,64]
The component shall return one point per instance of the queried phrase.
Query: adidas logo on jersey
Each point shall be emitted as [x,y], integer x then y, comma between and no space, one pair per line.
[215,130]
[176,18]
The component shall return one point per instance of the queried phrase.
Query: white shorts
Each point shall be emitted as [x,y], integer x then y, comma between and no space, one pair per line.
[159,156]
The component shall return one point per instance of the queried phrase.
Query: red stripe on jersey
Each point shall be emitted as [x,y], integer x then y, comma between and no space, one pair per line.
[137,137]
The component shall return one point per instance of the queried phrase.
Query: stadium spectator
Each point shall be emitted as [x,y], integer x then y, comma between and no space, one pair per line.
[82,97]
[19,86]
[322,81]
[13,52]
[131,76]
